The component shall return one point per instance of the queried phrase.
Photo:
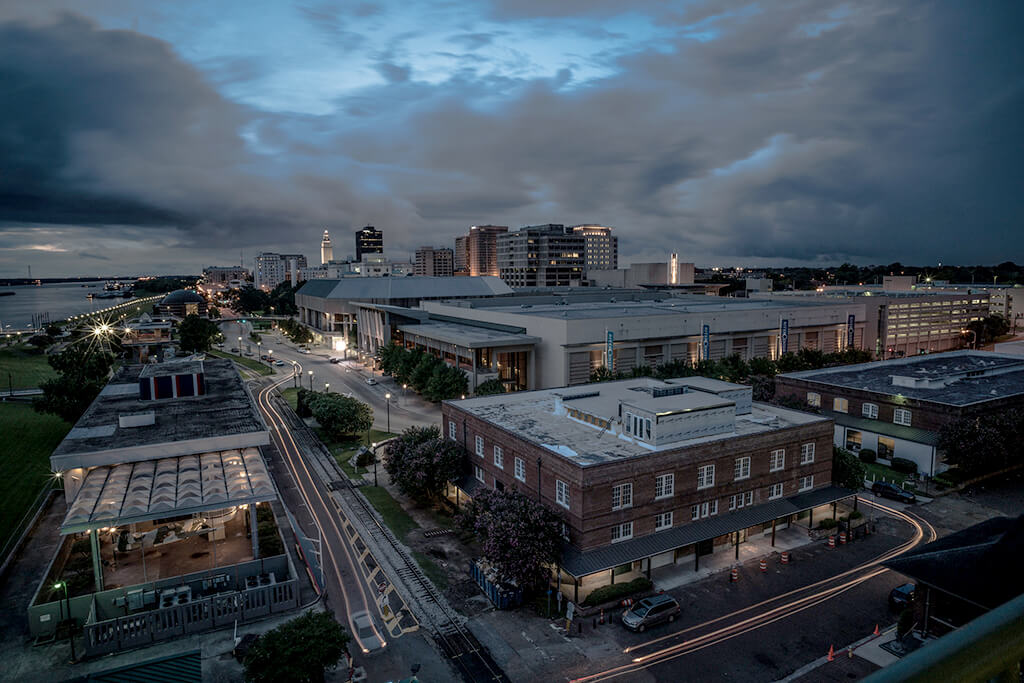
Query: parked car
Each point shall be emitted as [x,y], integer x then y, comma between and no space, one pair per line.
[264,356]
[902,597]
[334,359]
[366,634]
[278,363]
[887,490]
[371,381]
[651,612]
[303,350]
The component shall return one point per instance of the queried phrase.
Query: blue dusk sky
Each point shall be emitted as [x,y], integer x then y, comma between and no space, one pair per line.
[144,136]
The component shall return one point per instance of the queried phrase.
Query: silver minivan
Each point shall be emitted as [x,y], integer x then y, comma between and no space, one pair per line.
[650,612]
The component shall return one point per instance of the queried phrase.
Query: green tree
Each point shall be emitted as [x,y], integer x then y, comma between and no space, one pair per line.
[40,341]
[521,537]
[54,330]
[446,382]
[490,387]
[81,373]
[197,334]
[282,299]
[248,299]
[420,462]
[214,313]
[299,650]
[847,469]
[983,444]
[340,416]
[423,372]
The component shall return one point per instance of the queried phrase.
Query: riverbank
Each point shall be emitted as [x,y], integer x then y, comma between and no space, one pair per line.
[23,367]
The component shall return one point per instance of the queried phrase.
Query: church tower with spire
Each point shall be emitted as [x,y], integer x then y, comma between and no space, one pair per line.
[326,250]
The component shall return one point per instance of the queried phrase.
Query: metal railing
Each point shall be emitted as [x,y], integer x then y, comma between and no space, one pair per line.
[990,647]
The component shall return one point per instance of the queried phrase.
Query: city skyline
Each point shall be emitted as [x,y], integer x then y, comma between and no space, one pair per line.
[813,133]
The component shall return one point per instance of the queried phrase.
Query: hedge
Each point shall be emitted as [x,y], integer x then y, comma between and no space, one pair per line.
[867,455]
[905,466]
[617,591]
[828,523]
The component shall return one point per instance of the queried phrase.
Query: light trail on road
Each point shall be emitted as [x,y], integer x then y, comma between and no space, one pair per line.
[280,430]
[867,570]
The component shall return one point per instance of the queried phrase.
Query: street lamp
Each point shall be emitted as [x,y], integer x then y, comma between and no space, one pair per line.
[974,340]
[373,451]
[327,387]
[239,346]
[71,638]
[311,380]
[404,387]
[259,349]
[270,356]
[387,401]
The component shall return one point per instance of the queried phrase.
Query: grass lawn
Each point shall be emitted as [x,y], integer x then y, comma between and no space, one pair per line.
[401,524]
[344,450]
[881,472]
[255,365]
[436,575]
[29,438]
[21,369]
[291,394]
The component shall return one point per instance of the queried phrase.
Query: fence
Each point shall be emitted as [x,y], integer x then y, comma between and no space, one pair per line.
[20,530]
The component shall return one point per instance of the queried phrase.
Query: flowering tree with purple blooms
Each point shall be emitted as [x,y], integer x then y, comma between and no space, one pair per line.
[518,535]
[421,463]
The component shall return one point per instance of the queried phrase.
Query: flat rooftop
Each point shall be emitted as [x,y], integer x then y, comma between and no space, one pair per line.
[532,416]
[470,336]
[956,378]
[225,410]
[613,307]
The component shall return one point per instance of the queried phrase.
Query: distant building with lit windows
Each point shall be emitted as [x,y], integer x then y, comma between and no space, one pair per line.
[541,256]
[601,248]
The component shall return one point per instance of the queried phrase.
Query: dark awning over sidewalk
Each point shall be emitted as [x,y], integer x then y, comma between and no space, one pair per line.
[579,563]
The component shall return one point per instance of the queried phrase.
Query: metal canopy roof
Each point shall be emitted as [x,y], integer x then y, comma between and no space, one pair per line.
[114,495]
[580,563]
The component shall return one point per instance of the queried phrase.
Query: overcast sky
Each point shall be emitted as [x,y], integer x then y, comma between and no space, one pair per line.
[164,136]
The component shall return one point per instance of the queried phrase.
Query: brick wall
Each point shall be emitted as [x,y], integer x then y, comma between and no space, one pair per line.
[590,516]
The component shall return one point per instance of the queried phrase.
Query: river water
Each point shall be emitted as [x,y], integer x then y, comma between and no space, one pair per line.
[32,305]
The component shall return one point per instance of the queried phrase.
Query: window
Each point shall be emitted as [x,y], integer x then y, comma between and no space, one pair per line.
[622,532]
[901,416]
[742,468]
[806,483]
[520,469]
[622,496]
[807,454]
[480,446]
[869,410]
[813,399]
[479,472]
[664,485]
[499,458]
[840,405]
[854,440]
[705,476]
[777,461]
[741,500]
[663,521]
[451,430]
[561,493]
[886,447]
[701,510]
[775,491]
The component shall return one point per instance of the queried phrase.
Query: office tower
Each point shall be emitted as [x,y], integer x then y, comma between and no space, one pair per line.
[433,262]
[461,262]
[541,256]
[481,250]
[272,269]
[326,250]
[369,240]
[602,249]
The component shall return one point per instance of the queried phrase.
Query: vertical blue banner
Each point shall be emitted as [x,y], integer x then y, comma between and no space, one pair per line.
[784,336]
[609,352]
[849,330]
[705,342]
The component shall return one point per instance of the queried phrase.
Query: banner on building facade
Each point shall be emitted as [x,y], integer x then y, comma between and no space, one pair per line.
[705,342]
[609,352]
[849,330]
[784,336]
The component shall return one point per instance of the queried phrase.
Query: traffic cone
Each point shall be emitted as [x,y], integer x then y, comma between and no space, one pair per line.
[876,630]
[831,653]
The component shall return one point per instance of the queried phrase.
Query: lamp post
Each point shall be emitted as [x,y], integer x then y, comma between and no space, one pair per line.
[974,338]
[311,380]
[387,402]
[373,451]
[327,387]
[67,598]
[404,387]
[270,356]
[295,374]
[259,350]
[239,346]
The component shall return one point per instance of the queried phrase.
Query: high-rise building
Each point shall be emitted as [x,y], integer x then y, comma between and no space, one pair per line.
[433,262]
[482,249]
[602,248]
[224,274]
[326,250]
[272,269]
[461,262]
[369,240]
[541,256]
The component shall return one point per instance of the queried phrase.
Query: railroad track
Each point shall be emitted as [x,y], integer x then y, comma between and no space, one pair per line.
[458,644]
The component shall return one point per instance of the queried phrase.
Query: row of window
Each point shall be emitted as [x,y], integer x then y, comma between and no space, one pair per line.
[900,416]
[664,520]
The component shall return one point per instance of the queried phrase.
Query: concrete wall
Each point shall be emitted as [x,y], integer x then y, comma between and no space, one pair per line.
[922,454]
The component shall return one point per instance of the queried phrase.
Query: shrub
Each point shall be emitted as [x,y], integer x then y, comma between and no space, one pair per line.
[302,403]
[364,458]
[904,466]
[617,591]
[828,524]
[867,455]
[856,514]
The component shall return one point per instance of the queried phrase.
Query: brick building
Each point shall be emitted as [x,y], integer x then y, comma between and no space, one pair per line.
[647,473]
[898,407]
